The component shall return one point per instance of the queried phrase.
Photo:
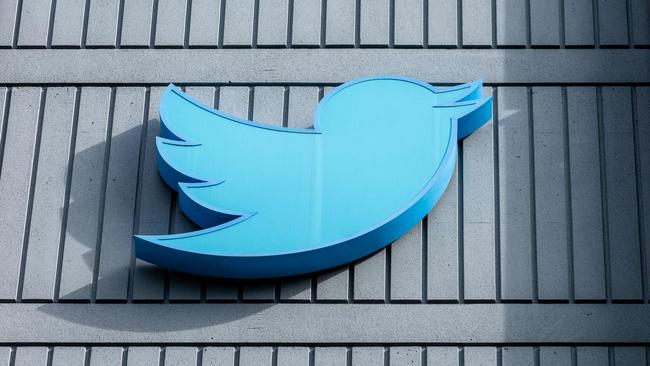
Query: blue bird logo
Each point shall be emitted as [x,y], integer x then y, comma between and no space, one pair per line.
[277,202]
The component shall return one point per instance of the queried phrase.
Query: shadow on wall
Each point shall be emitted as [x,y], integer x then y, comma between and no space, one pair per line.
[99,244]
[105,208]
[167,318]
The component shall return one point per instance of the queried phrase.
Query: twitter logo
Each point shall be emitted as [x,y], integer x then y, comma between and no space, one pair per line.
[277,202]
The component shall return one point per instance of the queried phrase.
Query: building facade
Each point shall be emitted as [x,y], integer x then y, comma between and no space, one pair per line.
[537,254]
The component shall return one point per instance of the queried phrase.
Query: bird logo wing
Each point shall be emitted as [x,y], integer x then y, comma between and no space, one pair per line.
[214,159]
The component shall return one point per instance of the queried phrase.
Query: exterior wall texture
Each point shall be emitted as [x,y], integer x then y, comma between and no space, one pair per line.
[537,254]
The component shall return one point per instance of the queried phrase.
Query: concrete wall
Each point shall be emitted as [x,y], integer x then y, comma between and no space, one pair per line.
[537,253]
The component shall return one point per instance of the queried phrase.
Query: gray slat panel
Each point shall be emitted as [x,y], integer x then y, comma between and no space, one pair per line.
[5,355]
[85,195]
[154,201]
[403,356]
[478,215]
[68,356]
[511,23]
[370,277]
[255,356]
[443,23]
[442,356]
[550,194]
[640,22]
[293,356]
[136,23]
[333,285]
[224,290]
[330,356]
[179,222]
[406,266]
[408,22]
[30,356]
[238,23]
[555,356]
[7,22]
[622,225]
[119,203]
[373,22]
[268,105]
[306,24]
[517,356]
[143,356]
[629,356]
[586,208]
[545,22]
[204,23]
[68,23]
[477,23]
[179,356]
[34,23]
[18,156]
[220,290]
[592,356]
[442,245]
[49,195]
[515,195]
[339,28]
[272,23]
[296,289]
[643,131]
[106,356]
[218,356]
[367,356]
[170,22]
[612,22]
[480,356]
[234,100]
[102,23]
[182,286]
[302,105]
[578,22]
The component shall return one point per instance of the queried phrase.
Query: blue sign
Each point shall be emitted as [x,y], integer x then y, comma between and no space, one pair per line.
[284,201]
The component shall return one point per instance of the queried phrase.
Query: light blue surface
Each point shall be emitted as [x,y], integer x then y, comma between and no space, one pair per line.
[280,201]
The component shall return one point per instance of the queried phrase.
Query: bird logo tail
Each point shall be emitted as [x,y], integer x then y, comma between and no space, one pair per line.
[464,104]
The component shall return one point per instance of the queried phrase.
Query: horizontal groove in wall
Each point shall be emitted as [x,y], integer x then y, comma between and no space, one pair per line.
[306,66]
[324,324]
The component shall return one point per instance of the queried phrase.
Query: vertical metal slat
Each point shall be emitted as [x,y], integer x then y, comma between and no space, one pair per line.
[49,195]
[18,157]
